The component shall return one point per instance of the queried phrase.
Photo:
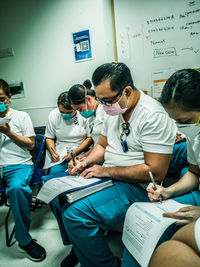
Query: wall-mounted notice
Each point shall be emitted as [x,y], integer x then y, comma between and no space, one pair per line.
[17,89]
[82,46]
[158,80]
[157,35]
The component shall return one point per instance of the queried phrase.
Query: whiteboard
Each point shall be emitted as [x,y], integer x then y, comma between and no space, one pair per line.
[156,38]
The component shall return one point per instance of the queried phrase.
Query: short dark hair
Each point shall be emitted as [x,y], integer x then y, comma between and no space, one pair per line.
[182,89]
[63,100]
[5,87]
[77,92]
[87,84]
[118,74]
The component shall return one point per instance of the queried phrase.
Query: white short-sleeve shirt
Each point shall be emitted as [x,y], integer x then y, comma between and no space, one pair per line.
[11,153]
[69,134]
[151,130]
[193,150]
[97,124]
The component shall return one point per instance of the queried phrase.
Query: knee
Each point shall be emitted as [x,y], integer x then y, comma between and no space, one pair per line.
[71,213]
[17,189]
[76,216]
[161,254]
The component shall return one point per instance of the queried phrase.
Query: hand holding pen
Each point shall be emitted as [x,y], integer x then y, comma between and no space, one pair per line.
[55,156]
[74,161]
[154,190]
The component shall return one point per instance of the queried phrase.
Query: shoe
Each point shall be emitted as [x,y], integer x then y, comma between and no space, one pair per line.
[34,251]
[71,260]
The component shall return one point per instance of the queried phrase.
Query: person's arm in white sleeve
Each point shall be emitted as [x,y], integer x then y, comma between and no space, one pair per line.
[27,139]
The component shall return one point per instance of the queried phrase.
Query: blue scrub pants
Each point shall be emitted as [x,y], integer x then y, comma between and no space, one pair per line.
[20,195]
[178,165]
[55,203]
[192,198]
[85,221]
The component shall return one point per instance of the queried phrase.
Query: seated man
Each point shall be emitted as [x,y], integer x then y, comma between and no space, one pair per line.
[138,136]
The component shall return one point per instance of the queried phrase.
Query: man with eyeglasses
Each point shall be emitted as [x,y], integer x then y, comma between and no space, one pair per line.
[137,136]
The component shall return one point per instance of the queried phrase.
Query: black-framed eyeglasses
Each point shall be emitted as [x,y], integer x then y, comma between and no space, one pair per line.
[110,102]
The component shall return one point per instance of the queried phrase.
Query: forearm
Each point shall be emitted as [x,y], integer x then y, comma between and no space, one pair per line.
[187,183]
[50,144]
[22,141]
[134,174]
[83,146]
[96,155]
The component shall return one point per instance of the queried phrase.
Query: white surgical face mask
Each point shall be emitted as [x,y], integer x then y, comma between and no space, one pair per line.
[190,130]
[115,108]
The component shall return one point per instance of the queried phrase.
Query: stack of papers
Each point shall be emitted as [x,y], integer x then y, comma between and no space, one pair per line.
[75,195]
[71,187]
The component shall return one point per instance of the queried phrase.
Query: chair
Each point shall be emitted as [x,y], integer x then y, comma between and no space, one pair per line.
[38,154]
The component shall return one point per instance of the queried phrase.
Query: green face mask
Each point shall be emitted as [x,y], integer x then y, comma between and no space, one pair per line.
[3,107]
[67,117]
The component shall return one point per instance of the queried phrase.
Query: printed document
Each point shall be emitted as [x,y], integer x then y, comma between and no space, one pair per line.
[144,225]
[56,186]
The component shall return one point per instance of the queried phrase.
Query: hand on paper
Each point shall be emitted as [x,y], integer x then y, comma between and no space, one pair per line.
[81,157]
[184,215]
[154,194]
[55,157]
[95,171]
[67,157]
[80,166]
[5,128]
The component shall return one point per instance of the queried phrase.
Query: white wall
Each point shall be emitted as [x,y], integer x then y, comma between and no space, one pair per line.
[157,37]
[41,34]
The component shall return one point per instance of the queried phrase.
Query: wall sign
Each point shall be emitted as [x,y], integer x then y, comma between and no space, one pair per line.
[82,46]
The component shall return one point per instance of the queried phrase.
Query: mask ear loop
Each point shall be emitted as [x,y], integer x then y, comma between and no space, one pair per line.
[85,98]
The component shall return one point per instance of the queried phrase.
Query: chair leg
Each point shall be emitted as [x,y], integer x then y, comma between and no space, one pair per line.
[9,238]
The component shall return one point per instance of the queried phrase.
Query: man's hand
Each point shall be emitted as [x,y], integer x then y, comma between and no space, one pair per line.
[5,128]
[80,166]
[184,215]
[154,194]
[95,171]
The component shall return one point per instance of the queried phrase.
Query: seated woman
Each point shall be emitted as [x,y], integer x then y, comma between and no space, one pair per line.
[67,131]
[82,98]
[180,98]
[17,138]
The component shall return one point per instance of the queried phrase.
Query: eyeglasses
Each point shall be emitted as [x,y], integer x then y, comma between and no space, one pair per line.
[110,102]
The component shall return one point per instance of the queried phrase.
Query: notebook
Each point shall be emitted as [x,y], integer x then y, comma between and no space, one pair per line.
[81,193]
[71,188]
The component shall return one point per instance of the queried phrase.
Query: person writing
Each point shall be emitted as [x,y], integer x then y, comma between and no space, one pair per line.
[137,135]
[67,132]
[180,98]
[82,99]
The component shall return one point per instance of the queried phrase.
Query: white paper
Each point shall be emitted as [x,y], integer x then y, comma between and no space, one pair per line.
[144,225]
[56,186]
[75,195]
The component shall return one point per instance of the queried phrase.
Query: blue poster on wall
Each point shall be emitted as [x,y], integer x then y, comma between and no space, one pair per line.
[82,47]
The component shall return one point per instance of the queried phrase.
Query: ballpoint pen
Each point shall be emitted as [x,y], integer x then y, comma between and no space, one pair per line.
[53,150]
[73,159]
[154,184]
